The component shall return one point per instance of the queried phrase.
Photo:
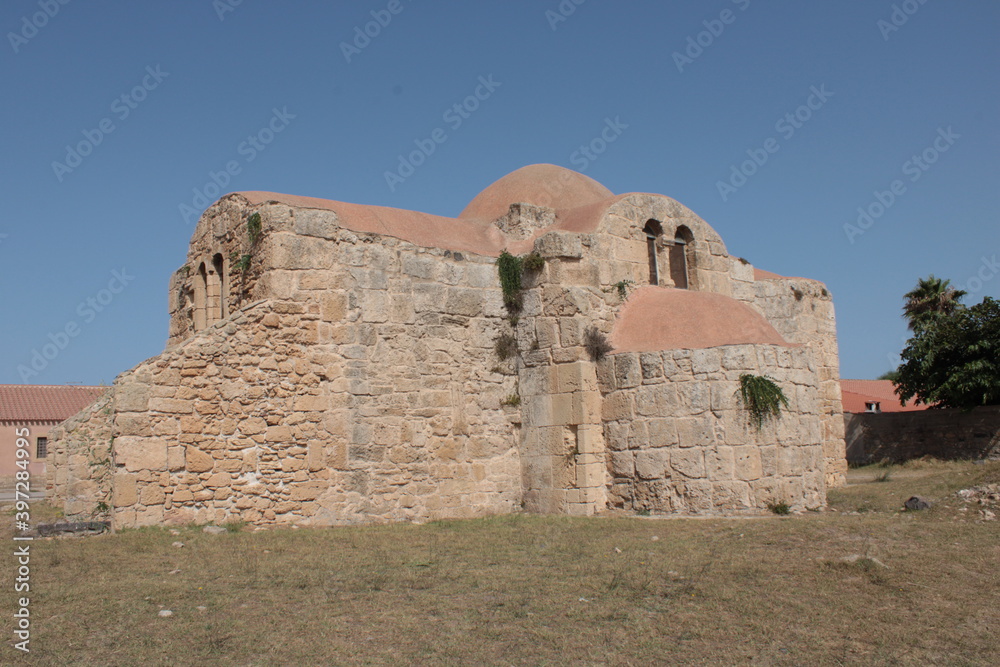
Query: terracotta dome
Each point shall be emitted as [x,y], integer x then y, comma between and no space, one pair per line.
[538,184]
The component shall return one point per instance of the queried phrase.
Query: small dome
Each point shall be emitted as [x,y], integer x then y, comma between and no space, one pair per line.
[538,184]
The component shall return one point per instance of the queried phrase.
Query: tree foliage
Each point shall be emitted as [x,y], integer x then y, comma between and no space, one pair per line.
[954,360]
[931,299]
[892,375]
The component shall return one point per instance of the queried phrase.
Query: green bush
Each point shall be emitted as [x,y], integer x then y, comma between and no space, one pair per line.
[762,398]
[779,507]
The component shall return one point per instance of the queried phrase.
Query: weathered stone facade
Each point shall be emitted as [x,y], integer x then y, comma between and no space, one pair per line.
[340,365]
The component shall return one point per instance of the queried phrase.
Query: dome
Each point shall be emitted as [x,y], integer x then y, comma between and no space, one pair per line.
[538,184]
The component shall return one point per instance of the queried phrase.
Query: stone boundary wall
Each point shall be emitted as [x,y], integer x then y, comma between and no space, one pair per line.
[943,434]
[679,440]
[80,462]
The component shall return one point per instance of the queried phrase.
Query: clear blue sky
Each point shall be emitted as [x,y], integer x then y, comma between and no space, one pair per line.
[206,84]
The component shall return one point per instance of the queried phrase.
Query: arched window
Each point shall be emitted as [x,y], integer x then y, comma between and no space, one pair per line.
[219,267]
[679,256]
[653,230]
[200,298]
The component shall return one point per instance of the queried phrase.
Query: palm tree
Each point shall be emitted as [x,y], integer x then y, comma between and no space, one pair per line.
[930,299]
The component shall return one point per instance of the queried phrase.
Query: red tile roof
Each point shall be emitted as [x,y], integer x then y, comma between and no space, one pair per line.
[856,393]
[44,403]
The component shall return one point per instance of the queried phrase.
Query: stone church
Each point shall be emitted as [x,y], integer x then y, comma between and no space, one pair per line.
[334,363]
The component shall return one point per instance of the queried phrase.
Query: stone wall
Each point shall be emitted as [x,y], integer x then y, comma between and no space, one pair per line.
[80,461]
[943,434]
[346,377]
[619,250]
[364,389]
[680,441]
[802,311]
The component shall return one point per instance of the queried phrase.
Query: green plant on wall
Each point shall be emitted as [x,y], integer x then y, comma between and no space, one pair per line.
[512,269]
[532,262]
[596,344]
[762,398]
[622,287]
[505,346]
[238,262]
[512,401]
[253,228]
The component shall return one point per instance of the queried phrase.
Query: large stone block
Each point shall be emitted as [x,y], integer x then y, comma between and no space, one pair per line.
[590,439]
[133,424]
[688,462]
[316,222]
[650,464]
[628,371]
[131,397]
[623,464]
[170,406]
[662,432]
[291,251]
[196,460]
[559,244]
[124,490]
[695,431]
[747,462]
[137,454]
[706,361]
[151,494]
[374,306]
[720,463]
[731,495]
[464,302]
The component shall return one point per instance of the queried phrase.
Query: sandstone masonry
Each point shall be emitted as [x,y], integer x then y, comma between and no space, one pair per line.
[330,363]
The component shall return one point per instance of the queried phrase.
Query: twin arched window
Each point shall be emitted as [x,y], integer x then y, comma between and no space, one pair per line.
[209,293]
[678,256]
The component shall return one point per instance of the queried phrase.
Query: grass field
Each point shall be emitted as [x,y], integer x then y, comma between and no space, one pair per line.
[916,588]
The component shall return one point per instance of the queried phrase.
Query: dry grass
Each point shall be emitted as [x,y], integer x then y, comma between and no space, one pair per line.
[542,590]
